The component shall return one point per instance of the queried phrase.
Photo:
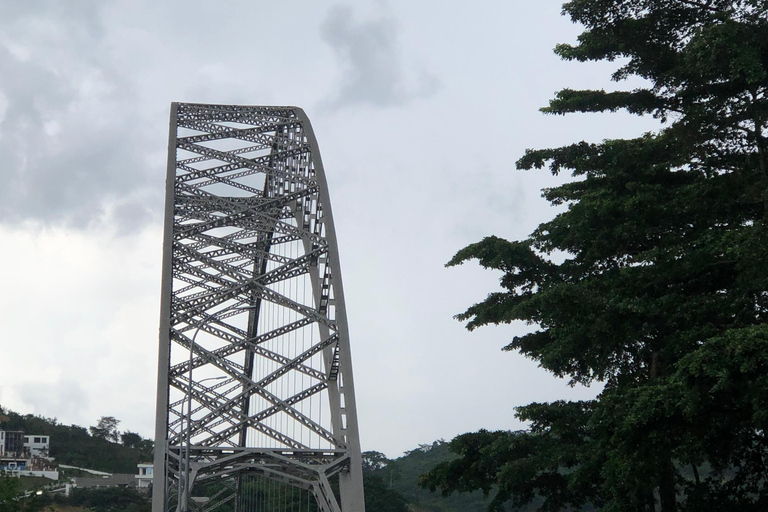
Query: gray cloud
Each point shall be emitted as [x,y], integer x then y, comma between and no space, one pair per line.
[68,129]
[372,68]
[63,399]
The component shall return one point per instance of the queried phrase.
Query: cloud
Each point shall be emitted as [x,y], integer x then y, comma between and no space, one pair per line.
[69,142]
[62,399]
[372,69]
[93,353]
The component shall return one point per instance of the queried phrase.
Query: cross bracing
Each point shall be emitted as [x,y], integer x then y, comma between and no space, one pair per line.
[255,381]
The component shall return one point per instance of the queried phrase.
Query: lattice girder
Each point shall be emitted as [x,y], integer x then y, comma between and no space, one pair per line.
[254,373]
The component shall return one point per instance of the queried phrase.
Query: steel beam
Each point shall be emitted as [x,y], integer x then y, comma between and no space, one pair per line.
[252,296]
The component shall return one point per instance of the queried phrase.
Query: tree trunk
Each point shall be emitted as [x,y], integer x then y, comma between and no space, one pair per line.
[667,491]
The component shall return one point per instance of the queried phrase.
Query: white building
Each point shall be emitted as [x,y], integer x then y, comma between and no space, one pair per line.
[144,478]
[37,445]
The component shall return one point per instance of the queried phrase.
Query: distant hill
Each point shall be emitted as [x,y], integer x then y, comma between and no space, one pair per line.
[402,475]
[73,445]
[391,484]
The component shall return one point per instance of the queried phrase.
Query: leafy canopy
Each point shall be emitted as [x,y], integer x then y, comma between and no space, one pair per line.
[106,428]
[663,291]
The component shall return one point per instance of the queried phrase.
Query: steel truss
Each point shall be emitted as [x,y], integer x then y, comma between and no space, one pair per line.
[255,375]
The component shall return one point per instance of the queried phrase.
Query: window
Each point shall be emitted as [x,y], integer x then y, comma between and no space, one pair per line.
[45,440]
[149,471]
[37,440]
[26,440]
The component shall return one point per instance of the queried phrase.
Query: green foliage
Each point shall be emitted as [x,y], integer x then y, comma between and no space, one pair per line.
[113,499]
[106,428]
[10,491]
[130,439]
[374,461]
[71,445]
[381,498]
[402,476]
[521,471]
[662,291]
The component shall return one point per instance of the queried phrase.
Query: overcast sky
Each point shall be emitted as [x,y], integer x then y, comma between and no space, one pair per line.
[420,110]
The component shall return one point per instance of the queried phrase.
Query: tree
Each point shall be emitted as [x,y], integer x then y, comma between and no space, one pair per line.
[111,499]
[10,493]
[106,428]
[660,287]
[374,461]
[381,498]
[130,439]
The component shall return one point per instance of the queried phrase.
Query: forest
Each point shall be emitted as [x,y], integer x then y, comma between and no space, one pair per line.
[651,281]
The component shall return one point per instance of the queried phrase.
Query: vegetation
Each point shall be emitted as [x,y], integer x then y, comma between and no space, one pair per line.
[10,489]
[113,499]
[106,428]
[653,281]
[390,485]
[14,499]
[401,476]
[71,444]
[387,482]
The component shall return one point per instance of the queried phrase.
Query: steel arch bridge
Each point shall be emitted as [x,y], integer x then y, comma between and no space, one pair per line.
[255,404]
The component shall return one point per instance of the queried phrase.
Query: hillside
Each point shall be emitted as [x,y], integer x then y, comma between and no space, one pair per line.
[73,445]
[402,475]
[391,484]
